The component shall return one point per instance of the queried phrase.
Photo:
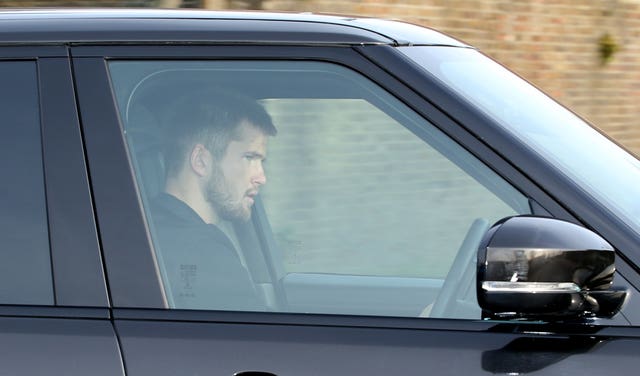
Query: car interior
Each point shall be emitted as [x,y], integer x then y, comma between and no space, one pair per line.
[149,87]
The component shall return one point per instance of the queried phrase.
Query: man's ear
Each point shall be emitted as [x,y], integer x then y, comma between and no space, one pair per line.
[200,160]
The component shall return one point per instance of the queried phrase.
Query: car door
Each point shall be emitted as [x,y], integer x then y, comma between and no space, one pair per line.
[54,316]
[375,201]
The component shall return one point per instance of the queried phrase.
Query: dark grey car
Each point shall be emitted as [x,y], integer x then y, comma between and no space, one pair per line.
[426,211]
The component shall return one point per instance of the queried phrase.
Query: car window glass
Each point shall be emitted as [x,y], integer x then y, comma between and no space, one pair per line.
[603,169]
[25,264]
[361,200]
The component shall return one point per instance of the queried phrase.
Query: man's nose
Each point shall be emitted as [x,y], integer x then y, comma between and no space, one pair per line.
[259,178]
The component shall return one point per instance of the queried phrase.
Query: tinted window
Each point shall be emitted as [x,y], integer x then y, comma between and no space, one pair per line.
[596,164]
[25,267]
[364,205]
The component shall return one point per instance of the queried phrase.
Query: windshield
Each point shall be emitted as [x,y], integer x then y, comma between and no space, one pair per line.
[607,172]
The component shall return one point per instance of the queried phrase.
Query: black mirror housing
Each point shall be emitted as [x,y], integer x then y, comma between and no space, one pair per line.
[545,268]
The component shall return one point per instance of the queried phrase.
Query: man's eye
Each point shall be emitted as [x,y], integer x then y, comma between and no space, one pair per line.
[254,157]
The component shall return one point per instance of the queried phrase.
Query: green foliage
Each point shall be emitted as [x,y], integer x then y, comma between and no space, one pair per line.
[607,47]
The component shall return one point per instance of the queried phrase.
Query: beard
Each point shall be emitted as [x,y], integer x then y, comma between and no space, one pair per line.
[220,196]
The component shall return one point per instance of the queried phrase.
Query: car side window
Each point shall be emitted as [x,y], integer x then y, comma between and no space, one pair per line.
[25,262]
[364,207]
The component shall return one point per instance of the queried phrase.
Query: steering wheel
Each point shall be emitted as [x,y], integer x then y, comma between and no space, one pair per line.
[461,275]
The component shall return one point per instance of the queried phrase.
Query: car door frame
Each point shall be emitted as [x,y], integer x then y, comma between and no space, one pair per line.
[78,275]
[134,278]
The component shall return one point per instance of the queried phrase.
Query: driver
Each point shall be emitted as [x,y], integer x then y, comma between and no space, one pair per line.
[214,154]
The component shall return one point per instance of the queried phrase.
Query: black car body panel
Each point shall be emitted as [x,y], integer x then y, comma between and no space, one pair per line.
[112,312]
[192,27]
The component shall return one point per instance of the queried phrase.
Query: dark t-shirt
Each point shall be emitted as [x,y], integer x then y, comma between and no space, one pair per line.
[198,260]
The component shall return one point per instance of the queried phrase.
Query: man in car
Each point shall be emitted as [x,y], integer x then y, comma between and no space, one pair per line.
[216,144]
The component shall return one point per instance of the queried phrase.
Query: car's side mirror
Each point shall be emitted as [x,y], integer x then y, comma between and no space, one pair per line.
[545,268]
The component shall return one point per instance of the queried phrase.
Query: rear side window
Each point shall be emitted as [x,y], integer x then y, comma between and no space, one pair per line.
[25,265]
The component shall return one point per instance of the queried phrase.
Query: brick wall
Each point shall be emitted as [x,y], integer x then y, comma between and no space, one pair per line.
[350,191]
[552,43]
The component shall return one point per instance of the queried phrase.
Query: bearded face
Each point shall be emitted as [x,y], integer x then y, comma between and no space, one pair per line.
[229,202]
[234,181]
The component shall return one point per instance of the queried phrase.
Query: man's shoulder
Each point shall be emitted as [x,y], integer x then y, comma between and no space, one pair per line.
[200,261]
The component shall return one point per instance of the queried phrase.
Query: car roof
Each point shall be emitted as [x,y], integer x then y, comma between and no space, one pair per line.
[18,26]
